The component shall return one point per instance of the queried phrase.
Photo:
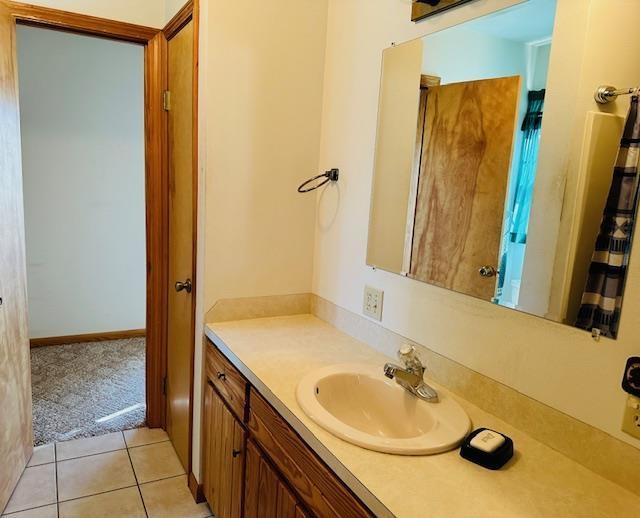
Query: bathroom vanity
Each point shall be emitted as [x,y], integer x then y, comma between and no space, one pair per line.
[264,456]
[255,464]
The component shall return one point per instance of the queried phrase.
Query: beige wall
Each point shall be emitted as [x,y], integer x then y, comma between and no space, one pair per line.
[557,365]
[397,122]
[172,7]
[142,12]
[261,100]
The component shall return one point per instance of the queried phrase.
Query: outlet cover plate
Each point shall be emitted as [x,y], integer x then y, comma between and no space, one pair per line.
[372,305]
[631,420]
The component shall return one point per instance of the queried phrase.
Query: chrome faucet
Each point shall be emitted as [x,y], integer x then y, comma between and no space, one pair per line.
[411,377]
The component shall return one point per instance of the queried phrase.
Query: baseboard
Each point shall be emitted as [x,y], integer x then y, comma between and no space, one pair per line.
[196,489]
[90,337]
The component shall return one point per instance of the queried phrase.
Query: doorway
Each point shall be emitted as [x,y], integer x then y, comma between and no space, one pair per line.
[153,44]
[83,170]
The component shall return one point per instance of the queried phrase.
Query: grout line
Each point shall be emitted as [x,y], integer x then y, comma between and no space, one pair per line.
[135,476]
[95,494]
[161,479]
[148,444]
[100,452]
[90,455]
[41,464]
[55,462]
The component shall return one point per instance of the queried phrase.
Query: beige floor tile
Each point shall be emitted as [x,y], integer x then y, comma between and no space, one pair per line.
[122,503]
[95,474]
[155,461]
[37,487]
[90,446]
[171,498]
[42,455]
[142,436]
[48,511]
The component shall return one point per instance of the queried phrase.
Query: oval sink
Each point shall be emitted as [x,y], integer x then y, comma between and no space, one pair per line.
[360,405]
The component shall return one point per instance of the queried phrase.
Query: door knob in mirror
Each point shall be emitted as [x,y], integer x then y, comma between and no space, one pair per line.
[184,286]
[487,271]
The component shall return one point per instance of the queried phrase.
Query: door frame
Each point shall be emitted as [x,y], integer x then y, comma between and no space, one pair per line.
[156,178]
[189,12]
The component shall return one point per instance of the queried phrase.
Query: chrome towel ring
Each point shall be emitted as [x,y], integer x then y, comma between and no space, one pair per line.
[331,175]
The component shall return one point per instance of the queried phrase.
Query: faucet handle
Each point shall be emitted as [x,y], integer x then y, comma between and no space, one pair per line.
[408,355]
[406,350]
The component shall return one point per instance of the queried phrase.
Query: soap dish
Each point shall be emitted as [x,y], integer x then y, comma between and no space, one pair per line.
[487,448]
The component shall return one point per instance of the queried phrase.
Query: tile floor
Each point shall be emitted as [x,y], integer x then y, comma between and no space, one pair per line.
[135,473]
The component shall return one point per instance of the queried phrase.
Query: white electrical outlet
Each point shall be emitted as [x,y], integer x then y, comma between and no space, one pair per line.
[631,421]
[372,306]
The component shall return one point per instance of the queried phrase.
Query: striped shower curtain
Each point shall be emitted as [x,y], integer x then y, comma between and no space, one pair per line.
[602,297]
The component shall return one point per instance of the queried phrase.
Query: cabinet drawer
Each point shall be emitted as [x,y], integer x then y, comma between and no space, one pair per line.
[322,492]
[231,385]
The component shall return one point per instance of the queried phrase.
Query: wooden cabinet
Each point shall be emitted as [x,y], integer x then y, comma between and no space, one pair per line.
[266,493]
[318,487]
[224,451]
[255,464]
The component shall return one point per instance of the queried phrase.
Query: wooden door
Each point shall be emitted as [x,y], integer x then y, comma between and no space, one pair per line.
[224,452]
[16,435]
[266,493]
[182,186]
[466,157]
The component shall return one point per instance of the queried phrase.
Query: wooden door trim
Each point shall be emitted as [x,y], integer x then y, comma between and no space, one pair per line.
[181,18]
[189,12]
[157,220]
[81,23]
[156,183]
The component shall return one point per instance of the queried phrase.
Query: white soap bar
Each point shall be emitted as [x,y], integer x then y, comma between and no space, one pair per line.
[488,441]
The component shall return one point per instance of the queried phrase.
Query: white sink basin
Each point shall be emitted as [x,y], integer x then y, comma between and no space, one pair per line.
[360,405]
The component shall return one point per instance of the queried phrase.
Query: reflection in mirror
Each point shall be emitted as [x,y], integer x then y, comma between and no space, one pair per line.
[461,117]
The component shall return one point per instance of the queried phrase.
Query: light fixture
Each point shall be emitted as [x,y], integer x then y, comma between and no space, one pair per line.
[424,8]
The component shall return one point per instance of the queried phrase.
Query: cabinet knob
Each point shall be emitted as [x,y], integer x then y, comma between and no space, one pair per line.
[222,376]
[235,453]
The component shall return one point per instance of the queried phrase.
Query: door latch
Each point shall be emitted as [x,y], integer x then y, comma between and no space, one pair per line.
[184,286]
[487,271]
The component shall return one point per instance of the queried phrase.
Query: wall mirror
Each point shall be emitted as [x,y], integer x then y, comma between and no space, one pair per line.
[470,186]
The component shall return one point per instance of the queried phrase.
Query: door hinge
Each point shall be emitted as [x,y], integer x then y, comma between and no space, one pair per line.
[166,100]
[164,386]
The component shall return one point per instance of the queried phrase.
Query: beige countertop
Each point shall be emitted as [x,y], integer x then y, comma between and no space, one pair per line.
[275,353]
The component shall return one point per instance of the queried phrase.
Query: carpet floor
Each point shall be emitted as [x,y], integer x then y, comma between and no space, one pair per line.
[82,390]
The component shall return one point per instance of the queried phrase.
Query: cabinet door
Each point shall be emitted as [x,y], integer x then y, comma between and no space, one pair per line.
[265,492]
[224,442]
